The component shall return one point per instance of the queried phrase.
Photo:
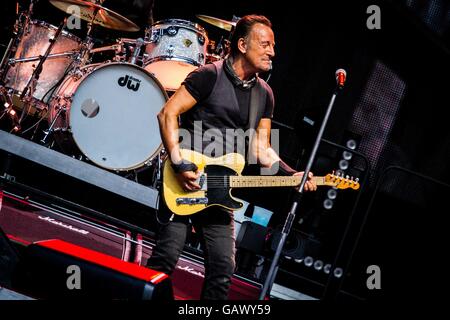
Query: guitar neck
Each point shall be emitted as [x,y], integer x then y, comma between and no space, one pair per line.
[271,181]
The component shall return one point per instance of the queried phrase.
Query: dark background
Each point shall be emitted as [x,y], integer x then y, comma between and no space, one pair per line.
[393,105]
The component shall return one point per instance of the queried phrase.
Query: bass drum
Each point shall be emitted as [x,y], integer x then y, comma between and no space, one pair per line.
[110,113]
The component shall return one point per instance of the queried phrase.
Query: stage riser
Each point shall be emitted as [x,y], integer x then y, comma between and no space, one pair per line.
[27,222]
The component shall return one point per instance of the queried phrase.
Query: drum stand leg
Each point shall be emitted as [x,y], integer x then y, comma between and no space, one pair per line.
[3,63]
[8,109]
[50,129]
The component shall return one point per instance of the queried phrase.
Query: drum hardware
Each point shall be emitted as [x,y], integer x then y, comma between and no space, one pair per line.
[29,84]
[8,109]
[114,47]
[84,57]
[223,24]
[5,58]
[72,54]
[223,46]
[20,72]
[12,114]
[137,50]
[106,118]
[176,47]
[201,57]
[157,175]
[155,165]
[32,82]
[96,14]
[135,46]
[52,124]
[20,27]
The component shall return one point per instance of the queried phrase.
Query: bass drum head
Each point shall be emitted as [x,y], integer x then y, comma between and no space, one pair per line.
[113,116]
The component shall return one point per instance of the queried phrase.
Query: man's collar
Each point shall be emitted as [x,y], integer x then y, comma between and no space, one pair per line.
[243,84]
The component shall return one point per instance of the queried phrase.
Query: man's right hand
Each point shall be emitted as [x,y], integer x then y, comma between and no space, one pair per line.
[187,174]
[187,180]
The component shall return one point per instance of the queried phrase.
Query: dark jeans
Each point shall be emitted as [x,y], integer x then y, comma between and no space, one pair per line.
[215,228]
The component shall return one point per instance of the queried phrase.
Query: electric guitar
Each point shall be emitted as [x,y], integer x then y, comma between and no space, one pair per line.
[219,175]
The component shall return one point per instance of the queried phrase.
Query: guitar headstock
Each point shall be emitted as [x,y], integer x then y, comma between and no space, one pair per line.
[341,182]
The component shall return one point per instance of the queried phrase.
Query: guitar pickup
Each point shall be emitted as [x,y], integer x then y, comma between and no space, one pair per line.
[192,201]
[202,182]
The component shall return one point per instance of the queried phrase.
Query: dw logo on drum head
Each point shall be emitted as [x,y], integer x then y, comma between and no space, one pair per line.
[128,81]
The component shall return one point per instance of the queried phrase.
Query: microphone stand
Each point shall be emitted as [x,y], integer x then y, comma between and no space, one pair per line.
[291,215]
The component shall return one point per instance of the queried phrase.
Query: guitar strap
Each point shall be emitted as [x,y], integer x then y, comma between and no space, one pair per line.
[257,105]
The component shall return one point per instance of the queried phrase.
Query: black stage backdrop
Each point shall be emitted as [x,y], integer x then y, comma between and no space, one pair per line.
[393,108]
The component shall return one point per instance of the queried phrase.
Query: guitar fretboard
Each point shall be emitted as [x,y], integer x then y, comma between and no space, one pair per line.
[270,181]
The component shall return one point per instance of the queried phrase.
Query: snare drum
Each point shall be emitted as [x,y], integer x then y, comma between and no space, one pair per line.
[176,48]
[32,44]
[111,112]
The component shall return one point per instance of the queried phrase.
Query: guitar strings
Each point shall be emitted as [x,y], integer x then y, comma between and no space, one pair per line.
[224,181]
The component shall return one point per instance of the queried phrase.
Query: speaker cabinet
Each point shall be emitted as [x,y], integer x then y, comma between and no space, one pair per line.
[55,269]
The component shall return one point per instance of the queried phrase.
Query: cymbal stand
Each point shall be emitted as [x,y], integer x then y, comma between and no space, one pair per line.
[88,42]
[86,47]
[20,27]
[225,44]
[82,59]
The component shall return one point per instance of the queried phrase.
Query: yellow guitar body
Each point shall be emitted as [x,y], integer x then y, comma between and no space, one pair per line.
[172,190]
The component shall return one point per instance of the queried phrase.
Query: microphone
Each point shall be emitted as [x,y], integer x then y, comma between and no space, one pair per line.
[137,50]
[341,76]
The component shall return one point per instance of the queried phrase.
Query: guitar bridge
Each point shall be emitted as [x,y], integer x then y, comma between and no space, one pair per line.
[192,201]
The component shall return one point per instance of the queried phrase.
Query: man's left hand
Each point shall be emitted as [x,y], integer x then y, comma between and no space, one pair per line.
[310,184]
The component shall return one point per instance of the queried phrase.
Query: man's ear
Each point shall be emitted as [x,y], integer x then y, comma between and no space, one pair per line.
[242,45]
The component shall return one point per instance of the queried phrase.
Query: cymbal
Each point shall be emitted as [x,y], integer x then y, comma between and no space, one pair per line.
[224,24]
[104,17]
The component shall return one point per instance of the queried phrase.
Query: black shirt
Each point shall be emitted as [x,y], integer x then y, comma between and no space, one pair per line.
[200,84]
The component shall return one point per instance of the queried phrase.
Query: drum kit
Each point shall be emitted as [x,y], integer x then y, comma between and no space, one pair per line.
[105,110]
